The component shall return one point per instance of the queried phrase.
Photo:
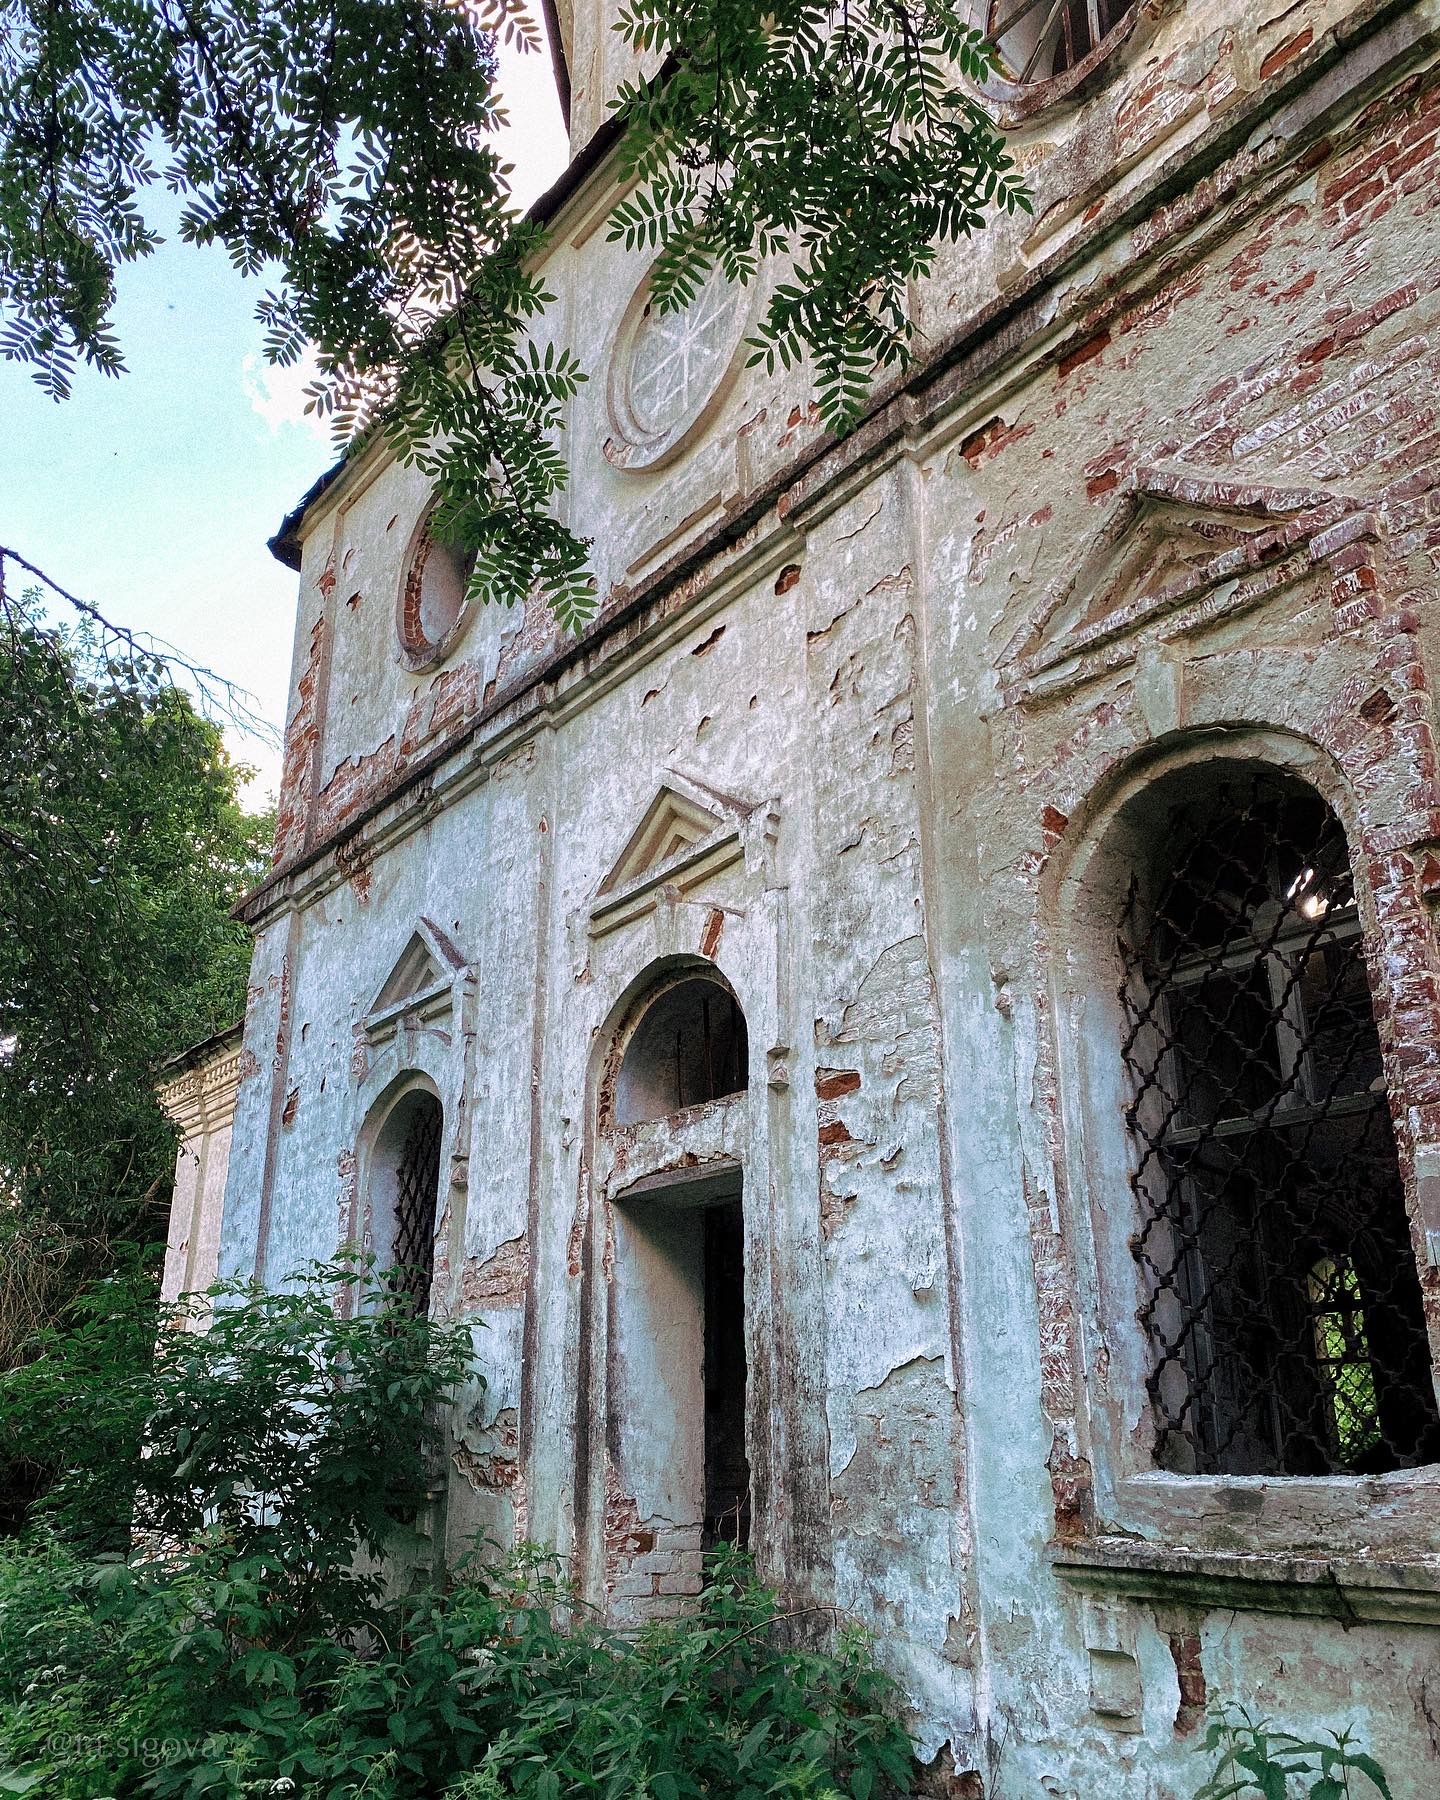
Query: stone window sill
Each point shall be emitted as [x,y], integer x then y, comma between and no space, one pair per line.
[1353,1590]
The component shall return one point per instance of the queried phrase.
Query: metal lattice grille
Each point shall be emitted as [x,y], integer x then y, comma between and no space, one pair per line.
[416,1188]
[1039,39]
[1282,1301]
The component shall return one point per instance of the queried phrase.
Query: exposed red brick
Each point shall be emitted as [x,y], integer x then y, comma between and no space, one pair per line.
[1379,709]
[834,1132]
[787,578]
[1083,353]
[1072,1485]
[706,645]
[1190,1673]
[302,734]
[1286,52]
[1318,153]
[972,447]
[993,436]
[710,936]
[1296,289]
[830,1084]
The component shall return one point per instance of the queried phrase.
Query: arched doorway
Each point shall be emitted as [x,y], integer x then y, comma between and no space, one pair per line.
[678,1364]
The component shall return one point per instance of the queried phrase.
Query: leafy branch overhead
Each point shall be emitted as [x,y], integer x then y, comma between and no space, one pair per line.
[841,137]
[343,149]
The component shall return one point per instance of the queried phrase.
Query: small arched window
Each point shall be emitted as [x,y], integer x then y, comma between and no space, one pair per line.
[405,1191]
[1280,1293]
[1038,40]
[689,1047]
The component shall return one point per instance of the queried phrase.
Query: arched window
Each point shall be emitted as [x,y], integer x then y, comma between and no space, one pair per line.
[1040,39]
[1280,1294]
[689,1047]
[405,1191]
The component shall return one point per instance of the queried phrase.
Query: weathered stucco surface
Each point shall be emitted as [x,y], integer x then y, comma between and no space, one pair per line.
[1166,485]
[198,1092]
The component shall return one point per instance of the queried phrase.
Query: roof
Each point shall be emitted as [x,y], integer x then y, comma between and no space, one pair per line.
[194,1055]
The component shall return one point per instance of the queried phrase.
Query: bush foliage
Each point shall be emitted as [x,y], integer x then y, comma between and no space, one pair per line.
[249,1639]
[1252,1757]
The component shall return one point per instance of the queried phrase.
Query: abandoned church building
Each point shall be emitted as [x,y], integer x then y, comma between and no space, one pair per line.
[918,1032]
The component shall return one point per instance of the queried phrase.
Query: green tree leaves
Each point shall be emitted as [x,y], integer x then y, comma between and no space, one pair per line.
[341,150]
[845,139]
[122,848]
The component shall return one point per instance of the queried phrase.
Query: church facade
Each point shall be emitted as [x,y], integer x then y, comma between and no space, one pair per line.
[917,1032]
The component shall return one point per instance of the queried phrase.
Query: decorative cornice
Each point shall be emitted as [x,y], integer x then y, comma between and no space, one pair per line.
[202,1100]
[1351,1590]
[1201,194]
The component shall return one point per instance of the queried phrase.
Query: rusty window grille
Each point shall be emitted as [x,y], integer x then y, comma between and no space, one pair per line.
[417,1186]
[1040,39]
[1281,1299]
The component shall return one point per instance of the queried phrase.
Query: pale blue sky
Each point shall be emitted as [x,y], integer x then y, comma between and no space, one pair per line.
[152,495]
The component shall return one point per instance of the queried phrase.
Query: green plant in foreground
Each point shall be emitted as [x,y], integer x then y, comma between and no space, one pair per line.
[1252,1757]
[252,1642]
[291,1428]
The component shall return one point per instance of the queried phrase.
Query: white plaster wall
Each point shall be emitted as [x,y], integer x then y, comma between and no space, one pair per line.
[934,1381]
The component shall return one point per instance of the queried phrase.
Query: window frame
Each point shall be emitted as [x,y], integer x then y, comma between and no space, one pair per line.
[1019,101]
[1390,1515]
[380,1170]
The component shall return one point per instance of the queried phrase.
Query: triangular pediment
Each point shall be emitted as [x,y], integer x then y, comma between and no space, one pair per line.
[1167,542]
[428,962]
[1164,550]
[673,823]
[688,834]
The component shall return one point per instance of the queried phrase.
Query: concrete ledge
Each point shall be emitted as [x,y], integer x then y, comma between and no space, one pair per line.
[1351,1590]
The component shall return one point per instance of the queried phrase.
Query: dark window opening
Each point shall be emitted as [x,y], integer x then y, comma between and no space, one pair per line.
[1282,1301]
[727,1472]
[417,1188]
[690,1047]
[1039,39]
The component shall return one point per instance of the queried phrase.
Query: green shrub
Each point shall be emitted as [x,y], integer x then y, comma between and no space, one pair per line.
[119,1679]
[246,1641]
[1253,1757]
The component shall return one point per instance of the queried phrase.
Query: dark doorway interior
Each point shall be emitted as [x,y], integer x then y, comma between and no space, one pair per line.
[727,1472]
